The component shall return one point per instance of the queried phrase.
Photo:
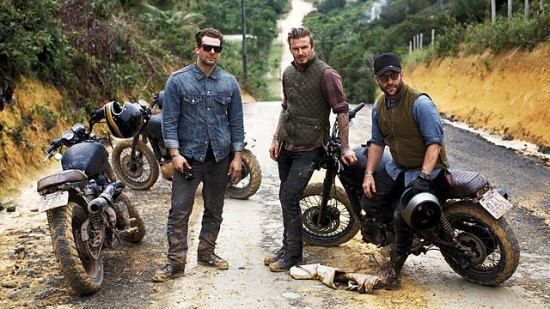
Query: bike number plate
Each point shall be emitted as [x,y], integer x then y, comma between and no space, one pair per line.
[54,200]
[495,203]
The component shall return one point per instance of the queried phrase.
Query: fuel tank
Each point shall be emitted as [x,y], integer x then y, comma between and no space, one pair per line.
[154,126]
[89,157]
[353,175]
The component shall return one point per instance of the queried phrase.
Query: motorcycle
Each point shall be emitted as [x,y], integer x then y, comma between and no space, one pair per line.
[138,167]
[464,219]
[86,207]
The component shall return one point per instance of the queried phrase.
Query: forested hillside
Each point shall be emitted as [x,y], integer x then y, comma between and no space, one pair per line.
[61,59]
[349,33]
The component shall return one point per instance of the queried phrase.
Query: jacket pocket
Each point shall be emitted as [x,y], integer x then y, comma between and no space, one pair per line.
[192,98]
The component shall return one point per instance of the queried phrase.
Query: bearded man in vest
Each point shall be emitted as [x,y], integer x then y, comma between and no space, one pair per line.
[311,89]
[407,121]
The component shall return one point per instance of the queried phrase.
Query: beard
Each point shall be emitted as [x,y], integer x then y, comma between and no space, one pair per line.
[392,90]
[208,61]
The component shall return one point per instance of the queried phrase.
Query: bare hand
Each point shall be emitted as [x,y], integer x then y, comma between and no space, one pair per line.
[274,149]
[369,187]
[235,169]
[179,163]
[348,157]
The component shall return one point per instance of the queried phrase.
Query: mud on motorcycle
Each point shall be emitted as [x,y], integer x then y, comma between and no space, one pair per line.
[86,207]
[138,167]
[463,220]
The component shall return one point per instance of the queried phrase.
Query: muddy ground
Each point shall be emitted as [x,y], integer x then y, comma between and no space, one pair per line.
[252,229]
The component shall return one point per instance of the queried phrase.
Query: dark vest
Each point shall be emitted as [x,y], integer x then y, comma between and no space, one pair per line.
[306,118]
[401,132]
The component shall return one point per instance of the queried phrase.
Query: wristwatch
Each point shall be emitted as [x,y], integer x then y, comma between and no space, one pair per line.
[425,176]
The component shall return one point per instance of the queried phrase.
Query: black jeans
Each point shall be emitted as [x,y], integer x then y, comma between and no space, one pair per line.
[383,206]
[214,177]
[295,171]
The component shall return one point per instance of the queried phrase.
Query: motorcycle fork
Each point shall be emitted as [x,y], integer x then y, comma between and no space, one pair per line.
[133,156]
[328,182]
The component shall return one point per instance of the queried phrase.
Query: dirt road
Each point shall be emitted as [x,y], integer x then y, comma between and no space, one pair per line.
[29,275]
[252,229]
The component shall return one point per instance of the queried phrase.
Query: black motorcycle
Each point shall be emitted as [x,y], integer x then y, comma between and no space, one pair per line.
[86,208]
[138,167]
[464,219]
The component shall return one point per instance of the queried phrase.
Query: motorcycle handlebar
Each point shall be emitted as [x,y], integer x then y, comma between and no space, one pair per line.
[53,146]
[354,111]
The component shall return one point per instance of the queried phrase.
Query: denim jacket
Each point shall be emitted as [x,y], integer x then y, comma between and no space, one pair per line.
[199,109]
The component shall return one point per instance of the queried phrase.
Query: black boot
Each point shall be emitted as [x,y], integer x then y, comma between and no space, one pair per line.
[389,277]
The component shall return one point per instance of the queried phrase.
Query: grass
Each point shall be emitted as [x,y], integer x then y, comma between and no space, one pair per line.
[273,77]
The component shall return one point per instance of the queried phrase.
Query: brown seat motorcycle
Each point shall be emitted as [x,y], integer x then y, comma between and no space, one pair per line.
[138,167]
[463,219]
[85,206]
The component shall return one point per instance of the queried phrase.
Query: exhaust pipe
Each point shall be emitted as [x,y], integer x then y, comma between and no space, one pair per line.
[106,197]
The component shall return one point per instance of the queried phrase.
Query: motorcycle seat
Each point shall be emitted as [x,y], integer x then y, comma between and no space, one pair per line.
[461,183]
[59,178]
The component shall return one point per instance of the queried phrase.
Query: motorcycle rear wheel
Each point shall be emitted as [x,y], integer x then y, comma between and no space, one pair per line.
[138,222]
[82,273]
[251,178]
[342,224]
[494,242]
[140,176]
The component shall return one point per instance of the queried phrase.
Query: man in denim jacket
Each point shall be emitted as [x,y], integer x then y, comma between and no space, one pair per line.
[202,127]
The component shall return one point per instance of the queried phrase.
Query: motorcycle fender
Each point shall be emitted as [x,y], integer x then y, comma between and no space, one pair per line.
[53,200]
[495,203]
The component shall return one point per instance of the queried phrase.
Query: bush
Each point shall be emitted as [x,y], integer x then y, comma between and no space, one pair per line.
[31,40]
[507,33]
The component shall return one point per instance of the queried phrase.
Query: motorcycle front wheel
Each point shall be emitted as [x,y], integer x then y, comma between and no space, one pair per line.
[494,248]
[251,178]
[140,173]
[83,271]
[339,225]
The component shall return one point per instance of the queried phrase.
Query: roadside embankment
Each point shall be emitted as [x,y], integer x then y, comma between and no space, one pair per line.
[507,93]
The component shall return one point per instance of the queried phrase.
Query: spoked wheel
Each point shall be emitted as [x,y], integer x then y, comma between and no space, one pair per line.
[139,173]
[339,223]
[251,178]
[489,252]
[81,261]
[136,220]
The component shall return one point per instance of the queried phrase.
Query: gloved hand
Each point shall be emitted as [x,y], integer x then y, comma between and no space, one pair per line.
[420,185]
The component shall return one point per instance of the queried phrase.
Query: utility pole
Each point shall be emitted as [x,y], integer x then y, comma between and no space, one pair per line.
[494,11]
[245,68]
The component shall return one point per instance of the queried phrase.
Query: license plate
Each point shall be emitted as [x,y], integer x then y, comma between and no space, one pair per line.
[495,203]
[54,200]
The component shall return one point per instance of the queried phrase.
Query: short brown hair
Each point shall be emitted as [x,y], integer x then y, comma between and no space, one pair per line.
[301,32]
[209,32]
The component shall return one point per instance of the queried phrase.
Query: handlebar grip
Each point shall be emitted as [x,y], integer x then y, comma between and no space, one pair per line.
[354,111]
[53,146]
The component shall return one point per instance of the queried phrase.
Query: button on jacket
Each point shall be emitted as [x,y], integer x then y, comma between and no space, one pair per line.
[199,110]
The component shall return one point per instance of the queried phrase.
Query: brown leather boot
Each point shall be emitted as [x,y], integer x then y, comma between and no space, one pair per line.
[389,277]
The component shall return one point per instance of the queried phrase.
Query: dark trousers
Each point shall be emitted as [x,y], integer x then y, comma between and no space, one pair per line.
[214,178]
[383,206]
[295,171]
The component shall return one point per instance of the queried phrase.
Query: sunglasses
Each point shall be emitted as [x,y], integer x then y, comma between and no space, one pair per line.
[208,48]
[386,78]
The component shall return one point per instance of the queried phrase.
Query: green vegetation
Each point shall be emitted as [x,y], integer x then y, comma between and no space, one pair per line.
[95,51]
[347,39]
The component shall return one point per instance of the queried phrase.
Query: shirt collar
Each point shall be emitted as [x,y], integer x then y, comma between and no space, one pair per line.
[200,74]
